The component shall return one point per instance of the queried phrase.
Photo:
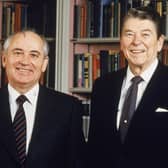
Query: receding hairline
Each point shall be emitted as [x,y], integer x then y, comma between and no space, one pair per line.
[25,33]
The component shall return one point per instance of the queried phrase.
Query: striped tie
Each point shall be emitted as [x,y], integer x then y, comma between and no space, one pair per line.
[19,126]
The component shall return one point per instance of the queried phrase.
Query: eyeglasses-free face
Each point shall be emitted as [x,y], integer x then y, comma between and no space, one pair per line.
[24,60]
[139,42]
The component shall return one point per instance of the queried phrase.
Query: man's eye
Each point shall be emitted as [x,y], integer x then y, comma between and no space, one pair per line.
[129,34]
[34,55]
[17,53]
[146,34]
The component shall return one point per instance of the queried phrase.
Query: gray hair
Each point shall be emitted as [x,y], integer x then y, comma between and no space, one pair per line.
[45,43]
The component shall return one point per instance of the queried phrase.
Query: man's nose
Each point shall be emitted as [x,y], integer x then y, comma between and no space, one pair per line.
[25,58]
[136,39]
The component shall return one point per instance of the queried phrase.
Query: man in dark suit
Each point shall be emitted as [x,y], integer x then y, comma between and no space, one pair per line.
[146,141]
[51,120]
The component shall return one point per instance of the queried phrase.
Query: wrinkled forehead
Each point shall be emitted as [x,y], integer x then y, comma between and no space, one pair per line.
[139,24]
[26,41]
[27,36]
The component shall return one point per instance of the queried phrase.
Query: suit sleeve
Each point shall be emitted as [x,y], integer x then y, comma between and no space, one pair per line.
[94,142]
[76,137]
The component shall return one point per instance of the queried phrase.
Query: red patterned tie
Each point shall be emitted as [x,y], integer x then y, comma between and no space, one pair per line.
[19,126]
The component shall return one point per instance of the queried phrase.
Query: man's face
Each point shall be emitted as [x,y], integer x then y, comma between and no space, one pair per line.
[139,42]
[24,60]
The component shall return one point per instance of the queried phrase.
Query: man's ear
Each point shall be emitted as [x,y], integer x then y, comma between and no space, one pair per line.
[3,58]
[45,63]
[160,42]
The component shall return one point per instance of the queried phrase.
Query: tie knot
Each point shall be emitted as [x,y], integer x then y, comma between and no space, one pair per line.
[21,99]
[136,80]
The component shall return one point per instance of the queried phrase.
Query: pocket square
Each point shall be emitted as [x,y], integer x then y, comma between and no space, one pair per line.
[159,109]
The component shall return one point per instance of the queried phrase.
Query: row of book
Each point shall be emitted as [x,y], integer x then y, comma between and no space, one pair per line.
[97,19]
[102,18]
[13,17]
[89,66]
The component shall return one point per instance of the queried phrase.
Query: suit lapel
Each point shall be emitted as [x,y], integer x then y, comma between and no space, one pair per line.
[151,93]
[114,93]
[6,129]
[41,111]
[118,85]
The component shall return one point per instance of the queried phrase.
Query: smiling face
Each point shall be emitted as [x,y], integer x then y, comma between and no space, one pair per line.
[24,61]
[139,43]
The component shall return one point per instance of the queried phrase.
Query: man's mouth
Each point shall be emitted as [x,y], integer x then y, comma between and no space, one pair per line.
[23,70]
[137,51]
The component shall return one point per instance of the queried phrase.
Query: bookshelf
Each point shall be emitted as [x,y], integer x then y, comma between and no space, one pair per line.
[95,40]
[19,14]
[89,36]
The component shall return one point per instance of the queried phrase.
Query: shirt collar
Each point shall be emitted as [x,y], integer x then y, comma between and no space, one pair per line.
[146,75]
[31,94]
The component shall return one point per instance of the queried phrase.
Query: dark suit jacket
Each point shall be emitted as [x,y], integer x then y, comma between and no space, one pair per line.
[57,139]
[146,144]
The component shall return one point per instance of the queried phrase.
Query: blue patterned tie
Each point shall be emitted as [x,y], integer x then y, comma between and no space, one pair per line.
[129,106]
[19,126]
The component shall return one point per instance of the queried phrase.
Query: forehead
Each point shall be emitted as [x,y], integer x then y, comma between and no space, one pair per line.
[136,24]
[26,41]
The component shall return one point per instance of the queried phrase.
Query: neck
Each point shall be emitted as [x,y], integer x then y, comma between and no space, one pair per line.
[22,89]
[136,70]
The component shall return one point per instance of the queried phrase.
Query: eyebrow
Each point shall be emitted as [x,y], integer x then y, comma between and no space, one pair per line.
[17,49]
[147,30]
[128,30]
[35,51]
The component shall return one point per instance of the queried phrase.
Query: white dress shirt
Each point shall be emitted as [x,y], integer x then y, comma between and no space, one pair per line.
[29,108]
[146,76]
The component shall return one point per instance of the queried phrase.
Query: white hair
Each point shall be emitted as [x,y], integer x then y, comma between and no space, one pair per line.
[45,43]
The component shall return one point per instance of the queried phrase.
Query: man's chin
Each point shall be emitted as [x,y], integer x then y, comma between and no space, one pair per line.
[24,81]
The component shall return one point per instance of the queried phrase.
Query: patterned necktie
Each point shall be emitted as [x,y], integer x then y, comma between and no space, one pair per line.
[19,126]
[129,106]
